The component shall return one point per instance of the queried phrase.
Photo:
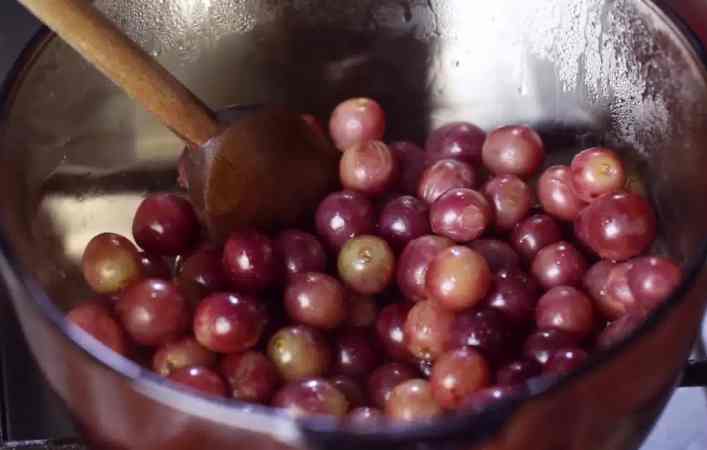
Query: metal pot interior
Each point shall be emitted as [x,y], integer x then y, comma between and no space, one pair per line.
[77,155]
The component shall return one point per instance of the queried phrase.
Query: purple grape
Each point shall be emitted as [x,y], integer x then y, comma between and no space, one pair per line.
[301,252]
[461,215]
[442,176]
[510,199]
[460,140]
[402,220]
[165,224]
[412,163]
[342,216]
[513,150]
[414,262]
[251,262]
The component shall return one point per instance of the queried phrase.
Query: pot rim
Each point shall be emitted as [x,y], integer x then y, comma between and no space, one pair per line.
[268,420]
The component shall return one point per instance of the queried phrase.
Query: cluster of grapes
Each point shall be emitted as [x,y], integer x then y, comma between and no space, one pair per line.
[437,279]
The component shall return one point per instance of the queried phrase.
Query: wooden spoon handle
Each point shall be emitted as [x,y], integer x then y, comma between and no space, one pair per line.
[105,46]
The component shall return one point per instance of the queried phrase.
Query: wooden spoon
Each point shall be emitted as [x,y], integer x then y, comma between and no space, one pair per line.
[266,169]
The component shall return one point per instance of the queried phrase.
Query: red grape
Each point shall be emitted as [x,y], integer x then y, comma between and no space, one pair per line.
[518,372]
[595,280]
[342,216]
[154,266]
[369,167]
[543,343]
[556,194]
[181,353]
[366,264]
[250,376]
[355,121]
[365,416]
[442,176]
[165,224]
[385,378]
[97,320]
[427,330]
[456,375]
[568,309]
[390,327]
[653,279]
[317,300]
[355,354]
[458,278]
[202,274]
[313,396]
[498,254]
[461,214]
[412,401]
[459,140]
[402,220]
[250,259]
[513,150]
[411,159]
[566,360]
[110,263]
[486,330]
[229,323]
[510,198]
[535,233]
[617,298]
[300,352]
[301,252]
[595,172]
[559,264]
[351,389]
[515,299]
[414,262]
[201,379]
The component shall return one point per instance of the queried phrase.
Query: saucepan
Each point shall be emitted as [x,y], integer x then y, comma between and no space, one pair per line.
[77,156]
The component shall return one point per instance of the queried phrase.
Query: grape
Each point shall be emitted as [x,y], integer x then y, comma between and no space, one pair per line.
[385,378]
[556,194]
[595,172]
[515,299]
[535,233]
[402,220]
[486,330]
[619,330]
[97,320]
[342,216]
[617,226]
[251,261]
[442,176]
[414,262]
[300,352]
[355,354]
[559,264]
[110,263]
[498,254]
[458,278]
[165,224]
[366,264]
[153,266]
[317,300]
[201,274]
[566,360]
[566,308]
[460,140]
[363,311]
[543,343]
[355,121]
[351,389]
[595,280]
[200,378]
[617,298]
[411,159]
[518,372]
[153,312]
[250,376]
[456,375]
[412,401]
[301,252]
[369,168]
[313,396]
[653,279]
[510,198]
[229,323]
[365,416]
[461,214]
[513,150]
[427,330]
[181,353]
[390,327]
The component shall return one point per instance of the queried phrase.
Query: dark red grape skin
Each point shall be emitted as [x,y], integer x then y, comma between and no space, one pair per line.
[486,330]
[543,343]
[535,233]
[165,224]
[313,396]
[568,309]
[486,398]
[390,328]
[181,353]
[202,379]
[652,280]
[344,215]
[457,374]
[459,140]
[559,264]
[414,262]
[412,401]
[461,215]
[515,299]
[617,226]
[595,280]
[597,171]
[385,378]
[317,300]
[556,194]
[513,150]
[355,354]
[617,298]
[511,199]
[355,121]
[458,278]
[518,372]
[229,323]
[363,311]
[442,176]
[412,163]
[301,252]
[250,260]
[565,361]
[300,352]
[402,220]
[96,319]
[365,417]
[250,376]
[351,389]
[369,168]
[153,312]
[366,264]
[202,274]
[619,330]
[428,330]
[110,263]
[154,266]
[498,254]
